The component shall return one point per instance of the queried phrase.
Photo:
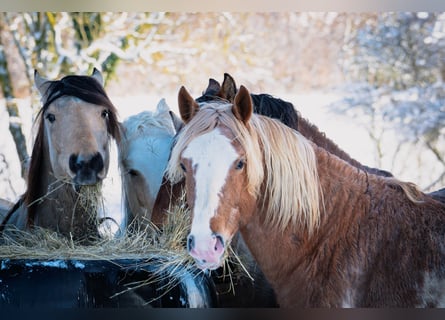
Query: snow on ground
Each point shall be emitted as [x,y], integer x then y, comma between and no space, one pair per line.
[312,105]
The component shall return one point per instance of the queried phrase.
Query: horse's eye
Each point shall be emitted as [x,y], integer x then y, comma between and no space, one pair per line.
[51,118]
[105,114]
[183,167]
[133,173]
[240,165]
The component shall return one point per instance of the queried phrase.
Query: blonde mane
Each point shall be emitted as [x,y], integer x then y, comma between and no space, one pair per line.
[279,159]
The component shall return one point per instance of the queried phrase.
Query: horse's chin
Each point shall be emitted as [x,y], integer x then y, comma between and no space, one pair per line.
[207,266]
[86,181]
[85,184]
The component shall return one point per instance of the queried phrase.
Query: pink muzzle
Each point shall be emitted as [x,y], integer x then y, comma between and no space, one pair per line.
[206,250]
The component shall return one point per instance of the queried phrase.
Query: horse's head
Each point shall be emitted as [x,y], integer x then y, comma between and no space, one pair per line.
[211,154]
[143,154]
[77,120]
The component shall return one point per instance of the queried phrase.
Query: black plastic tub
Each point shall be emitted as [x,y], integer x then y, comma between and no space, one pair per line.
[102,284]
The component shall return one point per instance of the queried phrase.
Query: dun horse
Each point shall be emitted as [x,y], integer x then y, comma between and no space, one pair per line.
[323,232]
[70,158]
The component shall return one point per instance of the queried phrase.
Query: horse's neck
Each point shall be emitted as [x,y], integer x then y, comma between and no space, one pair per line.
[339,178]
[312,133]
[291,254]
[67,211]
[279,257]
[57,206]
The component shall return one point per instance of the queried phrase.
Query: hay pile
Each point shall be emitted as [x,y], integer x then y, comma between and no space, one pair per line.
[45,244]
[145,245]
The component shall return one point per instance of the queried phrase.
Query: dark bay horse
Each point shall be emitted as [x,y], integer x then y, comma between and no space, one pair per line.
[324,233]
[69,160]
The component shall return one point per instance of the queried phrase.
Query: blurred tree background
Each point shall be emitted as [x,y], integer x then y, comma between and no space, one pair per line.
[389,68]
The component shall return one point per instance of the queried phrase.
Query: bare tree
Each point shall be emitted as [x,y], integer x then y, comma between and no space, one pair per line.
[7,88]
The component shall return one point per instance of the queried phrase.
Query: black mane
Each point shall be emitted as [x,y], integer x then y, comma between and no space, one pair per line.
[277,108]
[263,104]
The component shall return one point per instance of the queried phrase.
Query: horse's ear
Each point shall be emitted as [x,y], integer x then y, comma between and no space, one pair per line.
[213,88]
[242,105]
[177,122]
[41,83]
[162,107]
[98,76]
[228,88]
[187,105]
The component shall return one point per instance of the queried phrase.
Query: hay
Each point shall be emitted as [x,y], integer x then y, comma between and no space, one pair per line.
[165,249]
[140,243]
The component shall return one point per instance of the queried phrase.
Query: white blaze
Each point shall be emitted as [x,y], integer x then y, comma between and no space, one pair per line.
[211,156]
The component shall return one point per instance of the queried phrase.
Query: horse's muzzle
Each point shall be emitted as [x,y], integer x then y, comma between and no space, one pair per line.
[207,252]
[86,168]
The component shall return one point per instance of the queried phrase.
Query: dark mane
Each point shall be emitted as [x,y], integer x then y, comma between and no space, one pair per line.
[277,108]
[209,98]
[35,168]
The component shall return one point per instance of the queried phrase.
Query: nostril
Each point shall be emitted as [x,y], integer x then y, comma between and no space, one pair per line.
[81,163]
[97,163]
[74,165]
[190,242]
[219,244]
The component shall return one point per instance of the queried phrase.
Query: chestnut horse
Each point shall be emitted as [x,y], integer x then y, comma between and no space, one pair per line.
[146,140]
[324,233]
[69,160]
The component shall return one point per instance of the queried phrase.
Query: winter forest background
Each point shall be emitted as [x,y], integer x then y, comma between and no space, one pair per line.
[373,82]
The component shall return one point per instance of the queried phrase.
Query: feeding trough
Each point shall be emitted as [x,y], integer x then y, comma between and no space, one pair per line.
[101,283]
[145,269]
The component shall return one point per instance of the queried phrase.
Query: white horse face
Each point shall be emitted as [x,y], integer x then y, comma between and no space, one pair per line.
[144,153]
